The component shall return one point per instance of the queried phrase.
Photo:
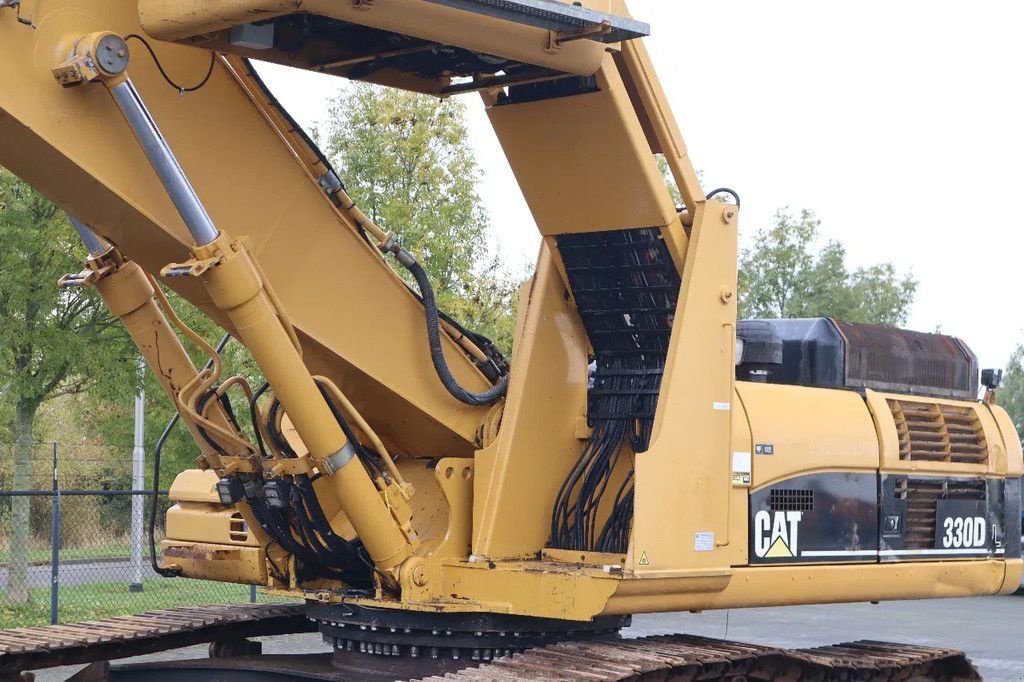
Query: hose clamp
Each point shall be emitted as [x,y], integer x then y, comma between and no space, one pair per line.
[340,459]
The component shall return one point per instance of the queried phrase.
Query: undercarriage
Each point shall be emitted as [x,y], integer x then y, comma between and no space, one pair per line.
[398,646]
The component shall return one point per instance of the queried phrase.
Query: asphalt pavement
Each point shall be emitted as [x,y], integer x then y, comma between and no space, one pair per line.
[988,629]
[80,572]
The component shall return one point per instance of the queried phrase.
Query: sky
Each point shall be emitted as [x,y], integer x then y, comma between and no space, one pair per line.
[901,124]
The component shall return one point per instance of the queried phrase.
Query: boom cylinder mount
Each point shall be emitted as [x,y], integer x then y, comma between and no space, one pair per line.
[236,285]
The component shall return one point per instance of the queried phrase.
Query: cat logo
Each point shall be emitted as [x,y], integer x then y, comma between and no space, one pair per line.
[777,534]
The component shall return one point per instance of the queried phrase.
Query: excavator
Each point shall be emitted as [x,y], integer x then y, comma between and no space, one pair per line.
[437,508]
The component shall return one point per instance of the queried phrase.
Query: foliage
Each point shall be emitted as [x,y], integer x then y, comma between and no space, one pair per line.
[48,336]
[781,276]
[670,182]
[1011,395]
[106,600]
[407,162]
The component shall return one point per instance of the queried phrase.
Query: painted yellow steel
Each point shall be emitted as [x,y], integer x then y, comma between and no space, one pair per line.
[686,474]
[342,296]
[206,22]
[583,162]
[480,517]
[131,297]
[810,429]
[221,563]
[546,397]
[237,287]
[999,453]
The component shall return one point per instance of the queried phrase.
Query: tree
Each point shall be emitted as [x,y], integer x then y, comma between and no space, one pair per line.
[1011,395]
[53,341]
[407,162]
[781,276]
[670,182]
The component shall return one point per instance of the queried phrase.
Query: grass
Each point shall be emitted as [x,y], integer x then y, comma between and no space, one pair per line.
[106,600]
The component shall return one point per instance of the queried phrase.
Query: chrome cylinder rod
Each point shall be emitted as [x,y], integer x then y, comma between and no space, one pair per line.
[92,241]
[159,153]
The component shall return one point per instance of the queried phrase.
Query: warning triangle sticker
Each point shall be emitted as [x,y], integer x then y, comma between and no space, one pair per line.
[643,559]
[779,550]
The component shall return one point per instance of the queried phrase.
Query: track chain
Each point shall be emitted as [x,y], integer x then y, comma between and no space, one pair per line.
[102,640]
[683,658]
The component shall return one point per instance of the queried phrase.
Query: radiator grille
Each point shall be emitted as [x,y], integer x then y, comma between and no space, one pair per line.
[939,433]
[922,498]
[791,500]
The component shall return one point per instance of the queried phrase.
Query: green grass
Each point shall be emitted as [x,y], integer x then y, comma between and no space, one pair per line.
[105,600]
[117,549]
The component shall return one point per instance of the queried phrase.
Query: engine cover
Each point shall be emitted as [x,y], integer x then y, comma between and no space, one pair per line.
[827,353]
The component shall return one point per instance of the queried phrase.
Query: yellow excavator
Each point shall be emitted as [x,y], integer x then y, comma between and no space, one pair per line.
[437,506]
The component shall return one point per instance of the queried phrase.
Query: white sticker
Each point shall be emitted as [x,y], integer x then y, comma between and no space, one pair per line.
[722,407]
[704,542]
[741,463]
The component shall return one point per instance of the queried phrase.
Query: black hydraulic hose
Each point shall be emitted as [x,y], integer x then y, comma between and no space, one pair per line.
[444,373]
[341,551]
[157,568]
[252,416]
[725,190]
[160,570]
[160,67]
[274,434]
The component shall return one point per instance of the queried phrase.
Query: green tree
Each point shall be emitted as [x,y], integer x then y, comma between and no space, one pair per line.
[407,162]
[53,341]
[1011,395]
[670,182]
[782,276]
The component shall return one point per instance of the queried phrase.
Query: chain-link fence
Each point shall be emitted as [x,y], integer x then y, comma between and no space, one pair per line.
[74,540]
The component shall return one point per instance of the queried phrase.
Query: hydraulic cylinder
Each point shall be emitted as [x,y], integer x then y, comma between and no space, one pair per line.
[237,287]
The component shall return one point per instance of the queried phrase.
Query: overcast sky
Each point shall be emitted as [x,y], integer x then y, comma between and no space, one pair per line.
[899,123]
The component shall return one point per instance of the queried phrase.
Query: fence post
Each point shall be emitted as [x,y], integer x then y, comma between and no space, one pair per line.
[252,594]
[138,483]
[55,544]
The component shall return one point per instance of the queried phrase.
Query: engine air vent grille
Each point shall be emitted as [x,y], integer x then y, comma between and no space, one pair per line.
[931,432]
[922,496]
[791,500]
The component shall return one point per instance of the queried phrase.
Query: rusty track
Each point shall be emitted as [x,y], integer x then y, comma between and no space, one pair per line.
[663,659]
[685,658]
[103,640]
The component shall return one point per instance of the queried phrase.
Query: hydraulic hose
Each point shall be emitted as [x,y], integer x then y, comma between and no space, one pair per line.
[444,373]
[170,571]
[162,571]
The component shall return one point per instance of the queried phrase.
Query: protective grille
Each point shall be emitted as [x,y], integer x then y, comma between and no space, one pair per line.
[903,361]
[626,288]
[784,500]
[922,496]
[939,433]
